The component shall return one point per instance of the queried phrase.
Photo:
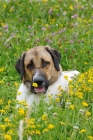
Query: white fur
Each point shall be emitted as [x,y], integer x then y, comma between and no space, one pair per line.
[36,74]
[53,89]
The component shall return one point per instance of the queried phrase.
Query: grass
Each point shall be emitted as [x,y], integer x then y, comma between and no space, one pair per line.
[66,25]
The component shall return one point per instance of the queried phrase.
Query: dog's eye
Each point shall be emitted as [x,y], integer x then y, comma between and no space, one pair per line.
[44,64]
[30,66]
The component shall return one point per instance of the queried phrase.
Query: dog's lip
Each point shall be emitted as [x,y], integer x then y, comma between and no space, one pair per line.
[39,89]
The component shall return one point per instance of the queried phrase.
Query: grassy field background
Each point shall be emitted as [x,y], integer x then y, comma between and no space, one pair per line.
[66,25]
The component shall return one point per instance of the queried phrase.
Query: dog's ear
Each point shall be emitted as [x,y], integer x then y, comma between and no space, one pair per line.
[20,66]
[56,56]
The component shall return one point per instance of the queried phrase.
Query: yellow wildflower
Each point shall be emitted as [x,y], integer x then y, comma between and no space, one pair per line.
[35,85]
[9,102]
[82,131]
[71,7]
[67,100]
[16,84]
[71,92]
[62,123]
[38,132]
[21,111]
[50,96]
[90,137]
[58,100]
[66,77]
[1,82]
[45,130]
[2,111]
[44,117]
[2,126]
[15,54]
[10,132]
[32,132]
[44,0]
[1,101]
[84,104]
[2,69]
[7,137]
[59,94]
[11,9]
[70,81]
[9,124]
[79,94]
[4,6]
[47,25]
[85,63]
[50,126]
[85,20]
[27,49]
[60,88]
[31,121]
[6,120]
[90,81]
[3,24]
[33,126]
[72,107]
[23,102]
[87,113]
[71,86]
[80,19]
[18,93]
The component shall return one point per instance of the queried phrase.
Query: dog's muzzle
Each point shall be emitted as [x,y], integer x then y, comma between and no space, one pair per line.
[42,83]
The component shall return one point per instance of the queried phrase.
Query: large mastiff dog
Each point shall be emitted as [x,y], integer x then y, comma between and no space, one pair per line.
[41,73]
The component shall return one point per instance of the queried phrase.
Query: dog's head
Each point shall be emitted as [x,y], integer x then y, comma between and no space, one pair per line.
[39,65]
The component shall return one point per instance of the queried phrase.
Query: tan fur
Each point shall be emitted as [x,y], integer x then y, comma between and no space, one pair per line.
[36,54]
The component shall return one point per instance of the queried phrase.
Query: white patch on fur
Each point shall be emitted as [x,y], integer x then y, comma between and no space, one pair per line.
[30,98]
[71,74]
[36,74]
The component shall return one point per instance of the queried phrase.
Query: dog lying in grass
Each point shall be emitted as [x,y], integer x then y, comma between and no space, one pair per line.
[40,72]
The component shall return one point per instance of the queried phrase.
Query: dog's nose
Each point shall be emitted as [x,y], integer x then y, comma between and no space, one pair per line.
[39,80]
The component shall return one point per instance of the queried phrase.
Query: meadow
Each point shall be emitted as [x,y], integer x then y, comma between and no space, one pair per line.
[66,25]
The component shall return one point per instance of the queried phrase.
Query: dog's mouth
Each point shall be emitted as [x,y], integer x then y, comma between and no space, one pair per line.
[39,89]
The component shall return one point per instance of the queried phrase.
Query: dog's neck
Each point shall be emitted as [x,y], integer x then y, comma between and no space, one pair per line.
[55,77]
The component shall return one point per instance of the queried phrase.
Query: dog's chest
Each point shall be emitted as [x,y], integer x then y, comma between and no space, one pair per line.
[53,90]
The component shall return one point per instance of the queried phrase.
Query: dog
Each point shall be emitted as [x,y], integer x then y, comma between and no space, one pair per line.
[41,65]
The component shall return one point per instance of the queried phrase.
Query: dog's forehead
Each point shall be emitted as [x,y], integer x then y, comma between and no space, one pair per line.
[36,54]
